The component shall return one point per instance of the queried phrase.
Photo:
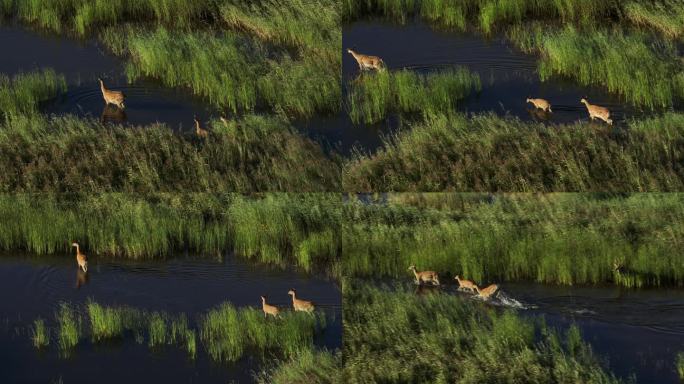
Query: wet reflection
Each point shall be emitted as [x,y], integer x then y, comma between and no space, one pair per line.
[82,278]
[114,114]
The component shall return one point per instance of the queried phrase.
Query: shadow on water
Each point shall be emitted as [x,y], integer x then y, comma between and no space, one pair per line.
[640,332]
[32,287]
[508,76]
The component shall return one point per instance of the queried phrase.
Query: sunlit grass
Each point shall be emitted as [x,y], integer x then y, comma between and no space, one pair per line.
[306,367]
[680,365]
[396,336]
[40,334]
[24,93]
[490,153]
[110,322]
[68,327]
[556,238]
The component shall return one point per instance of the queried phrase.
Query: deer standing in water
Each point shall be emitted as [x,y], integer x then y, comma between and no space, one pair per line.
[300,305]
[596,112]
[464,284]
[542,104]
[112,97]
[425,276]
[81,258]
[368,62]
[269,309]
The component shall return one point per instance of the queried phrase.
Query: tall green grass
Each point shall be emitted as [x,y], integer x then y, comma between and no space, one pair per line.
[398,337]
[24,93]
[666,16]
[490,153]
[282,229]
[68,327]
[306,367]
[680,365]
[553,238]
[374,96]
[643,72]
[109,322]
[67,154]
[40,334]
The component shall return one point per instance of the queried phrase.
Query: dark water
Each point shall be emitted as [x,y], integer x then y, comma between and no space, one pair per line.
[638,332]
[32,287]
[508,76]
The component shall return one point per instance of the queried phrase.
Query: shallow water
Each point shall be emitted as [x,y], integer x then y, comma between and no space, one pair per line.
[32,287]
[508,76]
[640,332]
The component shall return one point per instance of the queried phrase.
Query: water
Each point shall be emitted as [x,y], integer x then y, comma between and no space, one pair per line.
[508,76]
[640,332]
[32,287]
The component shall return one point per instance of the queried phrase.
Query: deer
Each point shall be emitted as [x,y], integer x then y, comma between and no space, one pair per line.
[464,284]
[269,309]
[487,292]
[542,104]
[199,131]
[300,305]
[425,276]
[368,62]
[81,258]
[112,97]
[597,112]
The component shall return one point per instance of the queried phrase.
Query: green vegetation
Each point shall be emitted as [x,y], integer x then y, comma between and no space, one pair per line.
[24,93]
[373,96]
[306,367]
[552,238]
[40,335]
[680,364]
[66,154]
[666,16]
[68,327]
[281,229]
[630,65]
[398,337]
[228,333]
[490,153]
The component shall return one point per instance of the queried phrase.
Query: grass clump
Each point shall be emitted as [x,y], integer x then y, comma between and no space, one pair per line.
[40,334]
[111,322]
[680,364]
[490,153]
[306,367]
[228,333]
[398,337]
[299,230]
[666,16]
[68,327]
[67,154]
[24,93]
[373,96]
[554,238]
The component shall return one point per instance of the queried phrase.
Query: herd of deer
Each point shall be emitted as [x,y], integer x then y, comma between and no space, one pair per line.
[298,305]
[117,99]
[367,62]
[465,285]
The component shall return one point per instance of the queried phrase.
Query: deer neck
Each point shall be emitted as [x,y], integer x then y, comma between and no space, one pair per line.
[78,250]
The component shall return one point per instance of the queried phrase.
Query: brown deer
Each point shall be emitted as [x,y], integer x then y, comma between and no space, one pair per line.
[596,112]
[368,62]
[487,292]
[300,305]
[464,284]
[199,131]
[425,276]
[269,309]
[81,258]
[112,97]
[542,104]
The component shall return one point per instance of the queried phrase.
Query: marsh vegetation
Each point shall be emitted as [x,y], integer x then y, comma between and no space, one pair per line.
[630,240]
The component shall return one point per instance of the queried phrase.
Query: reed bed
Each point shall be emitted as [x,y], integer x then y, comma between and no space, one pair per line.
[23,94]
[372,97]
[300,230]
[40,334]
[69,327]
[394,336]
[680,365]
[490,153]
[228,333]
[554,238]
[306,367]
[67,154]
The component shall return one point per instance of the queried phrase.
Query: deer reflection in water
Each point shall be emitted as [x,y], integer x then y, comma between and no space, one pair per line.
[112,113]
[82,278]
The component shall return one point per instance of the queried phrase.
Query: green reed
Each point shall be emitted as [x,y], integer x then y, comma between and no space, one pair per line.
[24,93]
[393,335]
[306,367]
[67,154]
[680,364]
[490,153]
[110,322]
[373,96]
[69,324]
[555,238]
[40,334]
